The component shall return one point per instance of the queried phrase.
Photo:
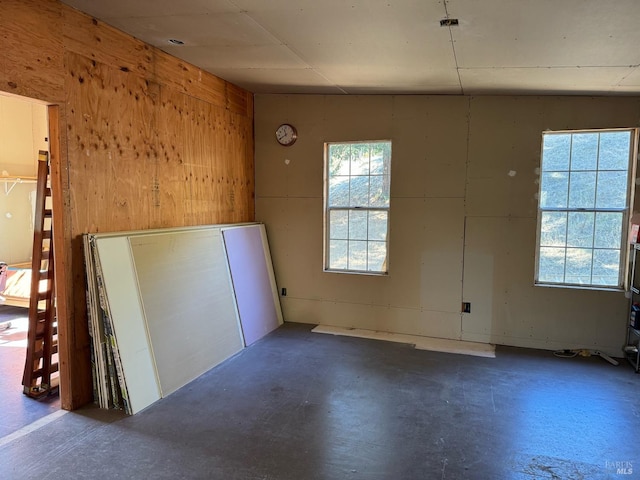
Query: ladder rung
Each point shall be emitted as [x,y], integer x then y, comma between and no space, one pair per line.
[48,212]
[44,295]
[41,325]
[40,371]
[38,353]
[46,234]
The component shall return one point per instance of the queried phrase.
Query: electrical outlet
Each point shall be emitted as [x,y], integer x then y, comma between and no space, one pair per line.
[466,307]
[284,292]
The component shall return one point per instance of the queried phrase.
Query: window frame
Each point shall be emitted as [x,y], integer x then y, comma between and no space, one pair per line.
[626,213]
[327,209]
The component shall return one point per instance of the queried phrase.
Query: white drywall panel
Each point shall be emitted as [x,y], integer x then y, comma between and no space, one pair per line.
[188,302]
[294,227]
[384,318]
[357,117]
[562,113]
[504,154]
[419,342]
[429,146]
[507,309]
[254,284]
[128,320]
[291,171]
[440,249]
[558,37]
[493,166]
[593,80]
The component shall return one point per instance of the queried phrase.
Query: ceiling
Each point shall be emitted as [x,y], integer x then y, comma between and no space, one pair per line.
[395,46]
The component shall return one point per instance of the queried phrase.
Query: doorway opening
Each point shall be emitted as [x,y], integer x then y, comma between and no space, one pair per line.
[24,132]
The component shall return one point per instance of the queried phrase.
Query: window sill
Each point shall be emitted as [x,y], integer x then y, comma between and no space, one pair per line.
[357,272]
[581,287]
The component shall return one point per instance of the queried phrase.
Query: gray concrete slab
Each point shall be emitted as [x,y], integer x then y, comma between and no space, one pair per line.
[298,405]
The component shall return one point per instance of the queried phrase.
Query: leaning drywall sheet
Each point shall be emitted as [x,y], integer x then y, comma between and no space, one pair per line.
[189,306]
[96,331]
[119,283]
[253,280]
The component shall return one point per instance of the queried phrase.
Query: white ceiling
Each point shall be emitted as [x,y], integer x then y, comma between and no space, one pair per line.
[395,46]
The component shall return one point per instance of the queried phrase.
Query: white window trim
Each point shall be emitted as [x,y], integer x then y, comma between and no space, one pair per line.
[625,246]
[327,209]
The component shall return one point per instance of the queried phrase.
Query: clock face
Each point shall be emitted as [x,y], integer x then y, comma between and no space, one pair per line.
[286,134]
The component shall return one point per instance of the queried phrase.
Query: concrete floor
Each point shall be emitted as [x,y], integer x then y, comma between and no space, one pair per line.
[299,405]
[16,409]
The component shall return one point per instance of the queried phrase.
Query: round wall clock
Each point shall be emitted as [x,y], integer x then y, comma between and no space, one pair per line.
[286,134]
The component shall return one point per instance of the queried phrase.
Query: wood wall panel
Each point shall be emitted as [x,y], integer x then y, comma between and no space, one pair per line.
[188,79]
[146,141]
[172,191]
[88,37]
[112,139]
[31,49]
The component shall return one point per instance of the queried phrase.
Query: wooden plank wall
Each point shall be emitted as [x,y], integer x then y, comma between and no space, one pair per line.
[146,141]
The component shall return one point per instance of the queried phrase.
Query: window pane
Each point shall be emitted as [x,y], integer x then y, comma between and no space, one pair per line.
[358,225]
[612,190]
[614,150]
[339,192]
[606,267]
[580,229]
[555,152]
[379,194]
[579,266]
[584,151]
[378,225]
[554,190]
[339,224]
[339,158]
[582,190]
[608,233]
[377,257]
[357,202]
[584,187]
[358,255]
[378,163]
[553,229]
[551,265]
[359,191]
[360,159]
[338,250]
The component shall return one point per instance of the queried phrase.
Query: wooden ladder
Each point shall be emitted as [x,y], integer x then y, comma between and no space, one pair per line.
[42,343]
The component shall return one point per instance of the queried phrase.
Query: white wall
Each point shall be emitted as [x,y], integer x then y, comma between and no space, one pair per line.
[462,228]
[23,129]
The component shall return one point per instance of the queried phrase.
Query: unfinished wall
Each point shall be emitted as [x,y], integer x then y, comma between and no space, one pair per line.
[23,131]
[462,224]
[145,141]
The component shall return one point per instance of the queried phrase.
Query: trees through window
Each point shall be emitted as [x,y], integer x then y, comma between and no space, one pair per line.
[357,194]
[583,209]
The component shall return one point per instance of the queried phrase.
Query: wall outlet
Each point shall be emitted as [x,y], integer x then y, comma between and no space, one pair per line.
[466,307]
[284,292]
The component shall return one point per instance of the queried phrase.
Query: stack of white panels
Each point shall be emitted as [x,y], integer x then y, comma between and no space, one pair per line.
[163,308]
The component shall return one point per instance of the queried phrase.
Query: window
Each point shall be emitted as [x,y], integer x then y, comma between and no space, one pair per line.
[357,185]
[583,209]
